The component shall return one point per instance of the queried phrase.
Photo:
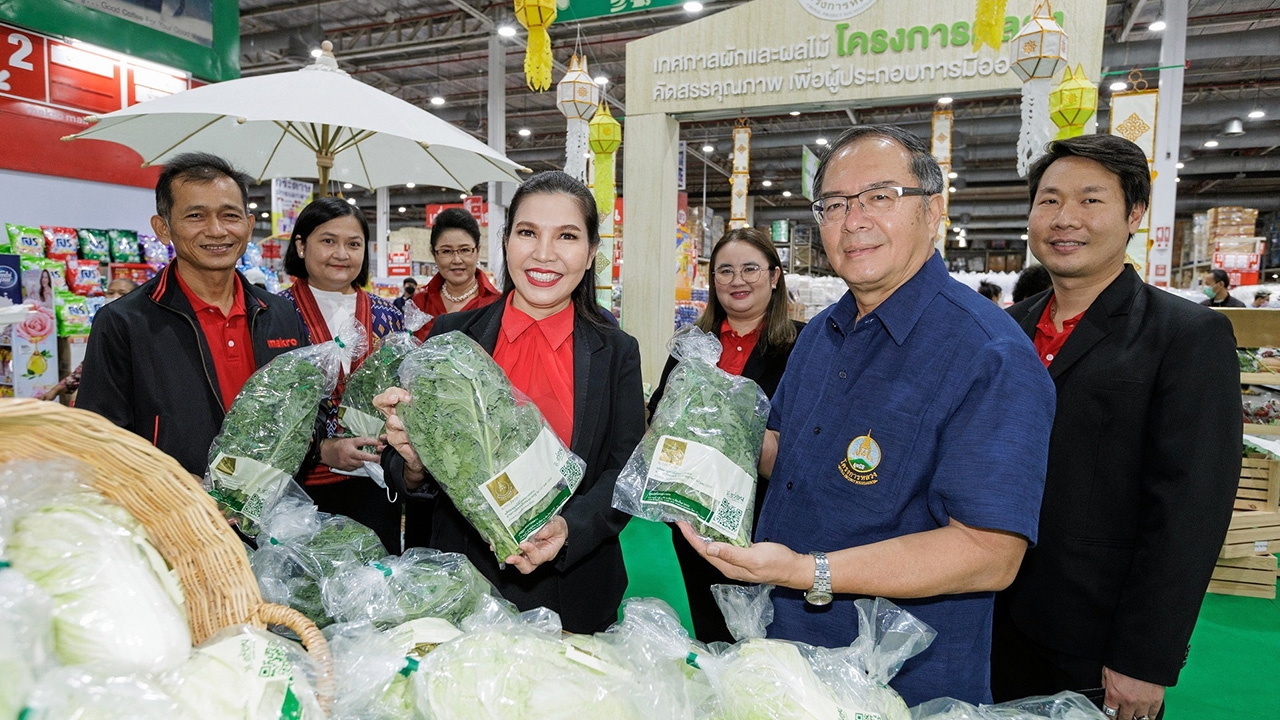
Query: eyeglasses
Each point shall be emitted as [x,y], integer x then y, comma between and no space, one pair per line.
[874,202]
[448,253]
[750,274]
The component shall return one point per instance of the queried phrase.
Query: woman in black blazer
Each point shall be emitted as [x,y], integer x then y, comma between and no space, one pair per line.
[748,312]
[574,564]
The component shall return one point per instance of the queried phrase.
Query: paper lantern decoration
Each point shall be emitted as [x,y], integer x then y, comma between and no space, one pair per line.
[988,24]
[740,180]
[536,16]
[577,96]
[1038,51]
[1072,103]
[606,138]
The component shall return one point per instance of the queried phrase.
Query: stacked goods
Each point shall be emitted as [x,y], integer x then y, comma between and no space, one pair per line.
[1232,221]
[1245,565]
[1235,246]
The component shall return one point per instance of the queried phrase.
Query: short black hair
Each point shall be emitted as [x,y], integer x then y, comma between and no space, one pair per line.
[1118,156]
[198,168]
[548,183]
[923,165]
[313,216]
[410,281]
[1221,276]
[989,290]
[455,219]
[1033,280]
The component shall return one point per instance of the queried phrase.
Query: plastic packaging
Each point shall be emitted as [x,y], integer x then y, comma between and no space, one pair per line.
[486,444]
[747,609]
[84,277]
[1063,706]
[379,371]
[73,314]
[246,674]
[154,252]
[25,240]
[124,246]
[268,430]
[396,589]
[94,245]
[26,639]
[87,694]
[60,243]
[115,602]
[374,669]
[698,459]
[300,546]
[663,659]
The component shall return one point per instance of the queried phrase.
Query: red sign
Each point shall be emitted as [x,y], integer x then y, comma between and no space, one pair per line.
[478,208]
[1164,238]
[1238,262]
[83,79]
[434,210]
[399,271]
[22,70]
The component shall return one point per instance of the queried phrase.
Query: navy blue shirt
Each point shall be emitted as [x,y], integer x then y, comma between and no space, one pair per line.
[933,406]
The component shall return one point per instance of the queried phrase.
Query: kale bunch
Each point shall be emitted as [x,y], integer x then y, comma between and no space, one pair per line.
[467,425]
[379,371]
[393,590]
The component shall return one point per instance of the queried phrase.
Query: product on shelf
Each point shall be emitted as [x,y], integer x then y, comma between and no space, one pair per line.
[124,246]
[154,252]
[73,315]
[60,243]
[84,277]
[41,278]
[94,245]
[25,240]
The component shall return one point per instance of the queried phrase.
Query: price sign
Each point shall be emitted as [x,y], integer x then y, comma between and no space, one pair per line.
[22,69]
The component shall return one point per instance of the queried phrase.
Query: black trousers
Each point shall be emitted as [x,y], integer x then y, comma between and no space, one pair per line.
[360,499]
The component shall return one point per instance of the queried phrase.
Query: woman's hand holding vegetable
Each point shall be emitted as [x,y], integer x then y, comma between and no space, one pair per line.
[386,402]
[542,547]
[347,453]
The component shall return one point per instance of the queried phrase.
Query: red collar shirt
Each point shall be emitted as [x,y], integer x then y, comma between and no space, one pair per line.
[735,349]
[230,342]
[1049,340]
[537,356]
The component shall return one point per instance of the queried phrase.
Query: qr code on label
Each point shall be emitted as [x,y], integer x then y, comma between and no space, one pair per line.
[727,515]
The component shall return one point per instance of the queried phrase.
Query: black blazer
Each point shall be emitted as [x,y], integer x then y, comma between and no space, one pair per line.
[586,582]
[1144,460]
[764,365]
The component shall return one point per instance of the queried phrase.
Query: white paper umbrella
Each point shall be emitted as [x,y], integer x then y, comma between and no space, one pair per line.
[315,122]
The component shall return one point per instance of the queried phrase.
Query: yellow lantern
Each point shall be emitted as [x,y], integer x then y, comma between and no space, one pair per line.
[606,137]
[988,24]
[1072,103]
[577,96]
[536,16]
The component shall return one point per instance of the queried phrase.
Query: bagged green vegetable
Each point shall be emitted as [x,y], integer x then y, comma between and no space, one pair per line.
[379,371]
[421,583]
[115,602]
[653,645]
[124,246]
[486,444]
[698,459]
[243,673]
[26,639]
[374,669]
[1065,705]
[300,546]
[268,430]
[77,693]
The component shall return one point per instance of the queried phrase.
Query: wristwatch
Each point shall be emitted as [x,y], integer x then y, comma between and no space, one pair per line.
[821,593]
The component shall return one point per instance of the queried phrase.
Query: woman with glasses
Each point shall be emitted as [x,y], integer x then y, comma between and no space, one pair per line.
[748,312]
[458,284]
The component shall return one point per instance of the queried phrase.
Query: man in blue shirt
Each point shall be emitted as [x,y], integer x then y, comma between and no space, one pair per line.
[908,437]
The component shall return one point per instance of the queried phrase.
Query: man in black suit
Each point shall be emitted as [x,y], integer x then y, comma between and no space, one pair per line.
[1145,453]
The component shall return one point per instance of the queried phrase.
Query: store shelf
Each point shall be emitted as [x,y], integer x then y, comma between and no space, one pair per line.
[1262,378]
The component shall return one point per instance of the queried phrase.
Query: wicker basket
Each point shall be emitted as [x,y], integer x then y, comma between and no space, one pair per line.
[182,521]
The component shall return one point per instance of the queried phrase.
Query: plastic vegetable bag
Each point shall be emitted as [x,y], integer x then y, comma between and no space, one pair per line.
[85,694]
[662,658]
[374,669]
[747,609]
[302,546]
[115,602]
[421,583]
[26,639]
[1063,706]
[243,673]
[379,371]
[509,668]
[698,459]
[268,430]
[486,444]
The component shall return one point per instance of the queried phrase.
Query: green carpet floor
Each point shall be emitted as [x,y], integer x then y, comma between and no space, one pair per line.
[1233,670]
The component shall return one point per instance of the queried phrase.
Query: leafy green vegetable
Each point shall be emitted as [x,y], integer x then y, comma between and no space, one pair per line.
[467,425]
[26,639]
[265,436]
[705,405]
[379,371]
[770,679]
[422,583]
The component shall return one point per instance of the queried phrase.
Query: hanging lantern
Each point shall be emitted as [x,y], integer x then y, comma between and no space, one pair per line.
[740,180]
[536,16]
[577,96]
[943,122]
[605,137]
[1038,51]
[1072,103]
[988,24]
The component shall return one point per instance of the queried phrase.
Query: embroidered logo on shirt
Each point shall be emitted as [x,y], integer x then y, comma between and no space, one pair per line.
[861,460]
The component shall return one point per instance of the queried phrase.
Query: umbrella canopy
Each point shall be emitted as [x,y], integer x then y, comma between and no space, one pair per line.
[315,122]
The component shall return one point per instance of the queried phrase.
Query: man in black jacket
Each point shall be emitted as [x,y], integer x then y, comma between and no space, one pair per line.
[165,362]
[1144,458]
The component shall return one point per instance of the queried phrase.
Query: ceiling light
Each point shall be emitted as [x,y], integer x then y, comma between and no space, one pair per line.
[1211,143]
[266,214]
[346,186]
[1256,113]
[786,193]
[1177,179]
[960,242]
[956,228]
[507,31]
[601,80]
[411,185]
[1023,236]
[253,206]
[1118,85]
[693,6]
[1179,165]
[794,113]
[944,100]
[708,148]
[351,201]
[437,100]
[316,52]
[951,189]
[1233,128]
[400,209]
[767,183]
[1156,26]
[953,174]
[821,141]
[524,132]
[462,196]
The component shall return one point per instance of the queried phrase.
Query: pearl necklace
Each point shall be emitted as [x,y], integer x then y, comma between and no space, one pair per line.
[444,290]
